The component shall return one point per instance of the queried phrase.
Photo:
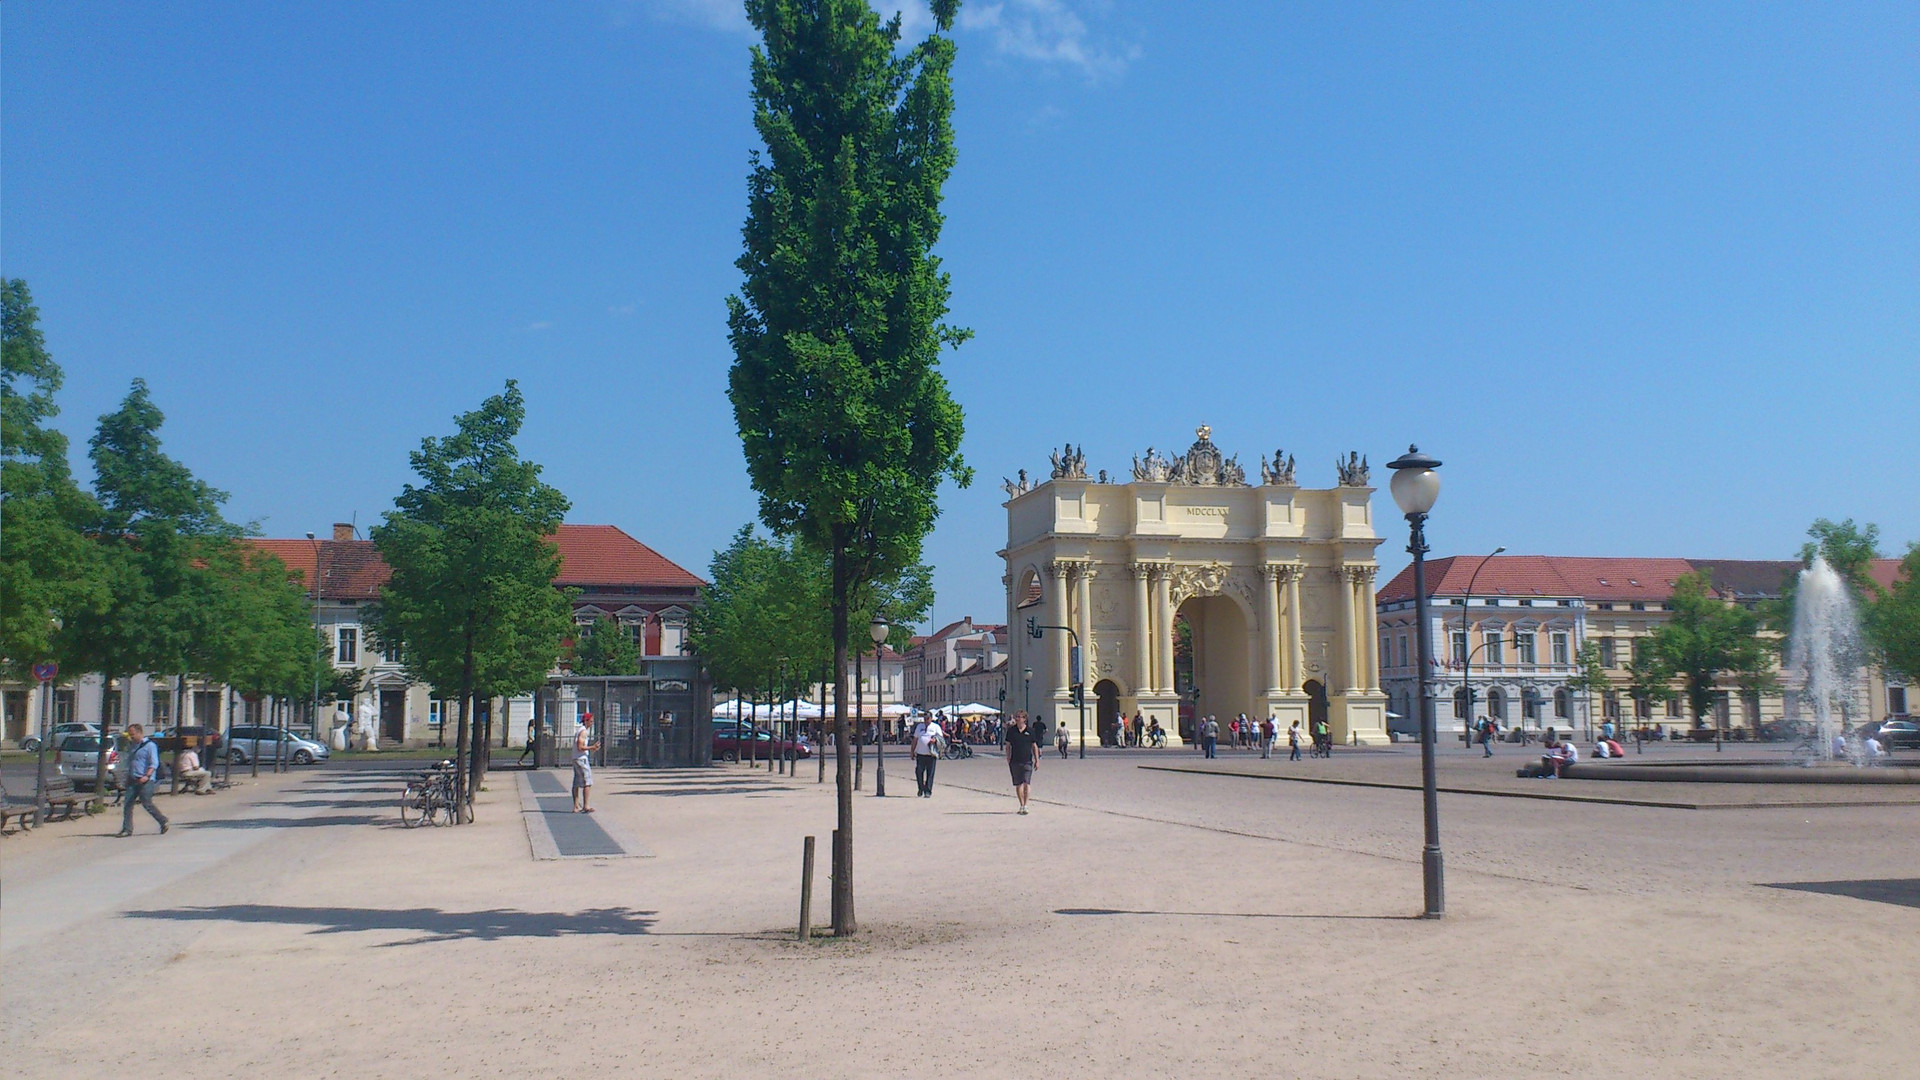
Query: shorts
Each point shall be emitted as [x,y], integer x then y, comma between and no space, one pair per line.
[1022,772]
[582,776]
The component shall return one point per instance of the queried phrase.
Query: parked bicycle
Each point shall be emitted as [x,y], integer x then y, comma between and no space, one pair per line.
[957,749]
[428,798]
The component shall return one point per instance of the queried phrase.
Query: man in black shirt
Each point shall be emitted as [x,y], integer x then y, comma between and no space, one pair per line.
[1023,757]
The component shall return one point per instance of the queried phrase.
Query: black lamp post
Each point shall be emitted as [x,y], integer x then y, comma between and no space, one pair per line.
[1415,487]
[879,632]
[1466,661]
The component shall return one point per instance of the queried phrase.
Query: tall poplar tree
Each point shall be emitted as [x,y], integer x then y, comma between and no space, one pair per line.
[472,604]
[846,422]
[48,568]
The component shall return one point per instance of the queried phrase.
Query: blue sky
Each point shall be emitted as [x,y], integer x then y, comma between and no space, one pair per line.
[1646,277]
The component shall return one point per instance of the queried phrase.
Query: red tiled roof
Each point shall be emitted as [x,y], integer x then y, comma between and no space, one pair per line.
[1603,579]
[605,555]
[1543,575]
[589,555]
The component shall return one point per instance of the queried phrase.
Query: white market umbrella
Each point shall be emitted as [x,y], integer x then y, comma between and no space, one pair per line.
[973,708]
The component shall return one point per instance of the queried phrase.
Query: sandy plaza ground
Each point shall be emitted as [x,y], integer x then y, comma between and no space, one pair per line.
[1139,923]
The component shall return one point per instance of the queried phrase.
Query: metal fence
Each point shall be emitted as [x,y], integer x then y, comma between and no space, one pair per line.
[659,719]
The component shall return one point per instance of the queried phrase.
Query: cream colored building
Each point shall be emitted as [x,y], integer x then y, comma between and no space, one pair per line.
[1275,582]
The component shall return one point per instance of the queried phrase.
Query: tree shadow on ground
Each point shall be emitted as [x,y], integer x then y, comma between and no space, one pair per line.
[1229,914]
[319,821]
[431,924]
[1902,891]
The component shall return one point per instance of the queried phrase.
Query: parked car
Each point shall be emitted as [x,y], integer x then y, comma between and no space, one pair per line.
[175,739]
[80,757]
[1896,733]
[730,744]
[58,736]
[245,743]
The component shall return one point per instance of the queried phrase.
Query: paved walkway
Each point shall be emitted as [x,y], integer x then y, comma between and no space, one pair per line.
[556,832]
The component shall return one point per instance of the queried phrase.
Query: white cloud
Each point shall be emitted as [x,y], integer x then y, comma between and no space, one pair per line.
[1048,31]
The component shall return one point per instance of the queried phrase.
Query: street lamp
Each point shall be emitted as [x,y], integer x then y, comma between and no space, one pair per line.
[879,630]
[1415,487]
[1466,663]
[1029,684]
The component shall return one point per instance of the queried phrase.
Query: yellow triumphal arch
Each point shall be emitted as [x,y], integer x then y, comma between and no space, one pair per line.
[1274,583]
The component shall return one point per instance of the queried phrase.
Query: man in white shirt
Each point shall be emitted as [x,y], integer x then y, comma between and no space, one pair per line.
[199,780]
[928,742]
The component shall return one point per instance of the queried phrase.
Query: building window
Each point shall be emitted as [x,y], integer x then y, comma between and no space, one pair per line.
[390,654]
[1639,650]
[1642,708]
[1526,603]
[1530,704]
[1637,605]
[160,709]
[1404,662]
[1495,649]
[346,645]
[1460,704]
[1386,651]
[1459,647]
[1523,647]
[1560,655]
[1673,708]
[437,711]
[1497,705]
[1610,704]
[1606,605]
[1566,603]
[63,707]
[1897,700]
[1562,704]
[1607,657]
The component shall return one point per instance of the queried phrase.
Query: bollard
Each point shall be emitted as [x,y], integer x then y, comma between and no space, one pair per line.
[806,889]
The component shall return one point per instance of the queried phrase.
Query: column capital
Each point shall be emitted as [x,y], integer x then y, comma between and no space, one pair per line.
[1358,574]
[1280,573]
[1059,568]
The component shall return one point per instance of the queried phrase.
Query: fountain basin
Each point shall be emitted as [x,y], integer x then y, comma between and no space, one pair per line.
[1734,773]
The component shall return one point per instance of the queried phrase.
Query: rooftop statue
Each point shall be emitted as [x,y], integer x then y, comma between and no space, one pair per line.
[1353,471]
[1280,472]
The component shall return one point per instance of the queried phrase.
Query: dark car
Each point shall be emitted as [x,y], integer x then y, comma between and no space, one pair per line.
[730,744]
[204,739]
[1898,733]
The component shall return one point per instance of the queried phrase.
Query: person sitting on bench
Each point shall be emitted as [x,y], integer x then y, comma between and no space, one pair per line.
[197,778]
[1559,755]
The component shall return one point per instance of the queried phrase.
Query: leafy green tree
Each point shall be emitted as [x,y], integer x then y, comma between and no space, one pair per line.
[1589,676]
[471,604]
[605,648]
[1893,623]
[1850,549]
[159,528]
[1707,643]
[48,568]
[1651,678]
[847,425]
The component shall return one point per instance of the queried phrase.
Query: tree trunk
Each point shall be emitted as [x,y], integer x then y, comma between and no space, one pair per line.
[462,745]
[106,736]
[859,721]
[843,921]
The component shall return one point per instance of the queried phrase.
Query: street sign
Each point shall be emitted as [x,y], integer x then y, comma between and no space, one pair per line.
[1073,664]
[45,672]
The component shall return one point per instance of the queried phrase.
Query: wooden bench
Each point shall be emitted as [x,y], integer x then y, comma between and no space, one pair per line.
[59,793]
[17,808]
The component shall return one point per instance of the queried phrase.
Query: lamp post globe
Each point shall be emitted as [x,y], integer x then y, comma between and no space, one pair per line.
[1415,488]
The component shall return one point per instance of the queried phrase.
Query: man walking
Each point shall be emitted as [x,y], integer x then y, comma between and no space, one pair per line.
[1210,742]
[928,741]
[533,742]
[1023,757]
[142,771]
[583,748]
[1293,741]
[1266,737]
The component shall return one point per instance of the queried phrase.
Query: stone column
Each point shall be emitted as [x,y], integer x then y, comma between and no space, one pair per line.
[1142,632]
[1369,624]
[1270,630]
[1083,620]
[1296,639]
[1349,663]
[1163,628]
[1062,611]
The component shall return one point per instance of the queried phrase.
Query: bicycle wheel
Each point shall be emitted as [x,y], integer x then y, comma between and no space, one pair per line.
[412,806]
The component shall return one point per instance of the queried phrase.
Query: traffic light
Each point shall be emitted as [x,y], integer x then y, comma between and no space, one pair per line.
[1079,695]
[1033,627]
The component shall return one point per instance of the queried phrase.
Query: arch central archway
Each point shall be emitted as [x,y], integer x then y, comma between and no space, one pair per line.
[1223,654]
[1106,710]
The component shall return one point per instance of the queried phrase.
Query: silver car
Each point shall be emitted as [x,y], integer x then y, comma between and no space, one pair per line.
[80,756]
[245,743]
